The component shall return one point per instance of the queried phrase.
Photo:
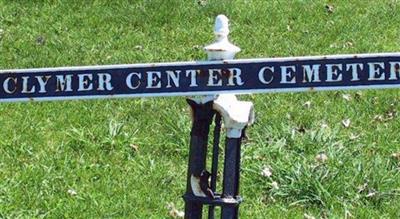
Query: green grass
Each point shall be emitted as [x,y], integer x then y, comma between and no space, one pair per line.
[48,148]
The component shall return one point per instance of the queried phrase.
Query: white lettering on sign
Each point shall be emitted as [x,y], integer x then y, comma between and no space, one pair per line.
[288,74]
[234,75]
[129,82]
[333,72]
[354,70]
[214,77]
[85,82]
[193,78]
[153,79]
[25,86]
[63,83]
[42,82]
[311,73]
[6,85]
[262,74]
[394,70]
[174,77]
[376,71]
[105,82]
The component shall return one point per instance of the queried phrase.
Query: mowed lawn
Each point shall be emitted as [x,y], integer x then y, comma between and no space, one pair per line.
[330,154]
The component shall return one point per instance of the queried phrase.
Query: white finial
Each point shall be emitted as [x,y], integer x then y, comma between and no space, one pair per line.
[221,28]
[221,49]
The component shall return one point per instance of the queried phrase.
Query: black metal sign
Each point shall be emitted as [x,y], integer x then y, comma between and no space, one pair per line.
[201,78]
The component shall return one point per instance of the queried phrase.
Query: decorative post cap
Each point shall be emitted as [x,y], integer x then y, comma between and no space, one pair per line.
[221,49]
[221,27]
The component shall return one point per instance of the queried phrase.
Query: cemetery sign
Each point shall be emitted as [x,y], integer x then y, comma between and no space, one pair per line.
[201,78]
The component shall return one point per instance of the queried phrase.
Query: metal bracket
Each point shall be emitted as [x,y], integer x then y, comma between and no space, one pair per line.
[236,114]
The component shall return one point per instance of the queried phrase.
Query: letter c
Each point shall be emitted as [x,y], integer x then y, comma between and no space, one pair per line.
[261,74]
[6,85]
[129,80]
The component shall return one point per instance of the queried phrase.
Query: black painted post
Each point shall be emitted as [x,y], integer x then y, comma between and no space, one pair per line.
[214,167]
[202,118]
[231,176]
[236,116]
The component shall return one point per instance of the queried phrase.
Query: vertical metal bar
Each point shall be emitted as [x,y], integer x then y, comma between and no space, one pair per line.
[231,176]
[202,118]
[217,134]
[238,156]
[214,167]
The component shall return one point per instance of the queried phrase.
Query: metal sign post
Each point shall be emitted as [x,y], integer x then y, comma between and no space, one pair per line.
[236,115]
[197,178]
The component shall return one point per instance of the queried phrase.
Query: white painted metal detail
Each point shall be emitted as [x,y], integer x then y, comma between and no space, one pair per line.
[221,49]
[236,114]
[196,188]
